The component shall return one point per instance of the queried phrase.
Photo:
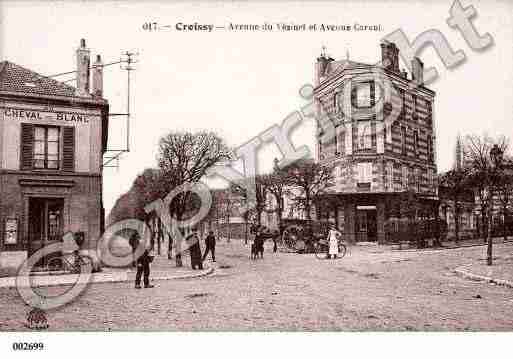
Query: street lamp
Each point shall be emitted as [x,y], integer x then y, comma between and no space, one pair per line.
[496,154]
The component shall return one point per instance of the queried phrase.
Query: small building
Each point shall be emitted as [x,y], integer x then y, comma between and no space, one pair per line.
[52,140]
[376,128]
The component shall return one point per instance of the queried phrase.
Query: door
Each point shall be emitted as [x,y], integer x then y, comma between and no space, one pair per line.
[372,228]
[45,225]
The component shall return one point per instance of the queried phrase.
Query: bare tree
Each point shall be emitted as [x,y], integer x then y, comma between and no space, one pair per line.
[483,176]
[312,179]
[260,197]
[456,181]
[185,157]
[275,183]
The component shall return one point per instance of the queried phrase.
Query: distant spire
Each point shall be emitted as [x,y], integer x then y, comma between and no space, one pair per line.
[458,156]
[347,53]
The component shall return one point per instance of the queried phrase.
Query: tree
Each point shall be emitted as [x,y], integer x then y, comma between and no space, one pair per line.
[185,157]
[260,197]
[456,181]
[275,183]
[484,156]
[312,179]
[504,190]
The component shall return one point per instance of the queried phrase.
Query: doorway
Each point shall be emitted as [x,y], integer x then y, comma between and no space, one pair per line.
[45,219]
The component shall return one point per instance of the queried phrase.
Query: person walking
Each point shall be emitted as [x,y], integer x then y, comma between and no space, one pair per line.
[333,236]
[143,269]
[210,243]
[194,249]
[134,241]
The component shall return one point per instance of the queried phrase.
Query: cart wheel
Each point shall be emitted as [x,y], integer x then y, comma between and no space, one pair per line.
[320,252]
[342,249]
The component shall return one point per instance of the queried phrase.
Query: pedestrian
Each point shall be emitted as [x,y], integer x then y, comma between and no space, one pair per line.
[134,241]
[210,243]
[259,243]
[194,249]
[143,269]
[333,236]
[275,235]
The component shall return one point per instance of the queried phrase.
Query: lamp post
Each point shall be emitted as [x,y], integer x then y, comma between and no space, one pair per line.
[496,154]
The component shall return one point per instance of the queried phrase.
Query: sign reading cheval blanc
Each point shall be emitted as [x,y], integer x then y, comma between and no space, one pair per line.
[25,114]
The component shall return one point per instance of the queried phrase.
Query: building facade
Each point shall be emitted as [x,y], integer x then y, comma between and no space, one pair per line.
[376,127]
[52,140]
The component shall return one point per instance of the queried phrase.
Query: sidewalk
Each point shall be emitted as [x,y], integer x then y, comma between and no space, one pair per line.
[474,242]
[500,272]
[162,269]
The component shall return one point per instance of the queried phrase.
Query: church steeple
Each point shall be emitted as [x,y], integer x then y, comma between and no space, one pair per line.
[458,154]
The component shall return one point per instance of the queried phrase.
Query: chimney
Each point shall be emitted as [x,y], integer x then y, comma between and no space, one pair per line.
[417,71]
[97,86]
[323,67]
[390,56]
[83,61]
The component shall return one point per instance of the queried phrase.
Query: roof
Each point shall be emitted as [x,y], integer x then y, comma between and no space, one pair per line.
[15,78]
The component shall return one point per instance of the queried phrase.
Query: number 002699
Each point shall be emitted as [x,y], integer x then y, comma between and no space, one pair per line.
[27,346]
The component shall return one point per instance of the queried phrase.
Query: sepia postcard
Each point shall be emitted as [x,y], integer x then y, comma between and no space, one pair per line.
[229,168]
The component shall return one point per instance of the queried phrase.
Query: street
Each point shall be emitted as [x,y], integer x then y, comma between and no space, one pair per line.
[372,288]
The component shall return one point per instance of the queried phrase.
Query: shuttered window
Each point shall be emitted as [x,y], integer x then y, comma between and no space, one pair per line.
[68,149]
[41,147]
[27,145]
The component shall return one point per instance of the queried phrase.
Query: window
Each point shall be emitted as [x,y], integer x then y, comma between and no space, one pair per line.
[430,148]
[403,140]
[390,174]
[405,176]
[364,135]
[46,147]
[339,104]
[365,172]
[429,111]
[362,93]
[416,142]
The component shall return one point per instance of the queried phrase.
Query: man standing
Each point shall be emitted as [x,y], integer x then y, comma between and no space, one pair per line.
[143,268]
[210,243]
[194,249]
[134,243]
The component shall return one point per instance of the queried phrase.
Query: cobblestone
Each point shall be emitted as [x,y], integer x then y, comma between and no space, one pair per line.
[372,288]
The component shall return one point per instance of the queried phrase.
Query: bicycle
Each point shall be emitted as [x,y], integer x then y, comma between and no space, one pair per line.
[77,264]
[322,248]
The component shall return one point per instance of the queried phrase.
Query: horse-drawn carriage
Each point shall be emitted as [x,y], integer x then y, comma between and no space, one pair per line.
[302,236]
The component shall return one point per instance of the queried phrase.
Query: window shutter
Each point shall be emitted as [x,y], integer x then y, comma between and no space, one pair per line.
[27,145]
[68,149]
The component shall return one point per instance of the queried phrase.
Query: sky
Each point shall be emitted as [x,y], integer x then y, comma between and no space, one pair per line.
[241,83]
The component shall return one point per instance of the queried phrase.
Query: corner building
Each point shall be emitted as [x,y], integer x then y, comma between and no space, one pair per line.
[382,141]
[52,140]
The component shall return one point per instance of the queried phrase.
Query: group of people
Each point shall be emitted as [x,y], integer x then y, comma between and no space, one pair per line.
[142,263]
[197,258]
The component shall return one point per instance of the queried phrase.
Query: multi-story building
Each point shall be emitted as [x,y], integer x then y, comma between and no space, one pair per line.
[52,138]
[376,127]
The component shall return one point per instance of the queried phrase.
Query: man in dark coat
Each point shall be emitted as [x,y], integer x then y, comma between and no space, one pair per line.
[194,249]
[133,241]
[143,268]
[210,243]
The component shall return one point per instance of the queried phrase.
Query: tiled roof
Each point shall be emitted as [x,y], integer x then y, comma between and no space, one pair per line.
[14,78]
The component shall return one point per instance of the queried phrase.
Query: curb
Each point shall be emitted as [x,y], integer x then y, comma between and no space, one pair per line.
[481,278]
[119,277]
